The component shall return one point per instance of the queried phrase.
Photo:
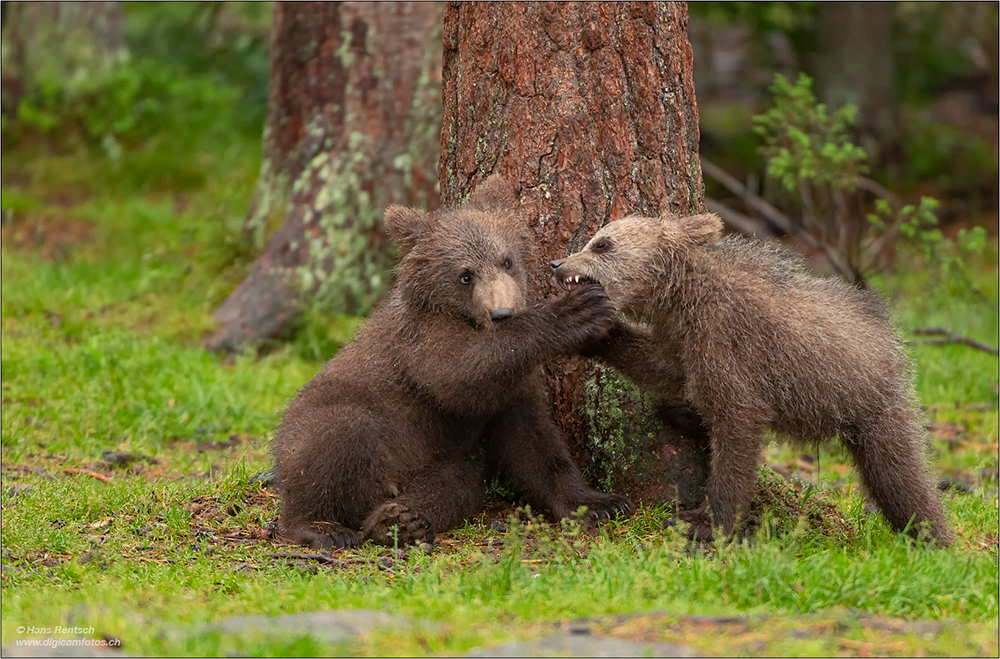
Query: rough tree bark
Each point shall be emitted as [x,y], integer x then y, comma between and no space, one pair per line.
[588,110]
[352,126]
[73,42]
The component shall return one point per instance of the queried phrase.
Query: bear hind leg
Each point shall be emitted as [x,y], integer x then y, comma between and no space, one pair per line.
[887,454]
[395,523]
[526,447]
[437,499]
[332,469]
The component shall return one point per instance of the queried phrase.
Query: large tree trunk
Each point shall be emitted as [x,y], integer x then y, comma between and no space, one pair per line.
[68,42]
[353,117]
[588,111]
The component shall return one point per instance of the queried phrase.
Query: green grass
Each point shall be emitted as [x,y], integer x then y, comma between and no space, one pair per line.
[101,352]
[965,305]
[483,597]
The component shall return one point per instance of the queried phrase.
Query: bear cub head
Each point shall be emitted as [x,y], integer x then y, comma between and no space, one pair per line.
[467,261]
[632,257]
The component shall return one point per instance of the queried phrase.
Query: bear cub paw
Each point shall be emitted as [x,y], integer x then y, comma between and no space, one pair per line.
[393,523]
[699,521]
[324,535]
[584,314]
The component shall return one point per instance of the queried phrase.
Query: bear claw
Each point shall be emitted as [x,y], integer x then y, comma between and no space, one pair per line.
[608,506]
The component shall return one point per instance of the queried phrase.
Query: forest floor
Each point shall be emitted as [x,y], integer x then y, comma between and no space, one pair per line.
[130,513]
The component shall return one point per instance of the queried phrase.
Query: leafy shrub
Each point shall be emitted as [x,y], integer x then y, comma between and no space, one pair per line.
[134,100]
[196,68]
[810,152]
[225,42]
[803,142]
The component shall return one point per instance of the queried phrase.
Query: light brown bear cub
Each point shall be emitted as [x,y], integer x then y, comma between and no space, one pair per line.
[396,437]
[739,331]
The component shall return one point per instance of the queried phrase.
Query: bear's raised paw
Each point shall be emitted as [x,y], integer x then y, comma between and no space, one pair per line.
[583,315]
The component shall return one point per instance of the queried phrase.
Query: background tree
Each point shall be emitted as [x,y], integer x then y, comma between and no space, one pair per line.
[351,127]
[588,111]
[922,75]
[854,65]
[68,43]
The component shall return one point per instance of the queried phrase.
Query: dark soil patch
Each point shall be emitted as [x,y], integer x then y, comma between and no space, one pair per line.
[53,238]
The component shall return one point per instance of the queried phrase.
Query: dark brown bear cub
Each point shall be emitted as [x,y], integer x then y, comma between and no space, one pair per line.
[395,439]
[738,331]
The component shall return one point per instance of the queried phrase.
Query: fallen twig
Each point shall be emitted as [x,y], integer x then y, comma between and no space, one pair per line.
[150,559]
[868,185]
[737,220]
[87,472]
[950,338]
[890,234]
[781,220]
[327,559]
[321,557]
[239,538]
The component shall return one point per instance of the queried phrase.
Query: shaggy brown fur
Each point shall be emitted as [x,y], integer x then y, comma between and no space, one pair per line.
[441,390]
[740,332]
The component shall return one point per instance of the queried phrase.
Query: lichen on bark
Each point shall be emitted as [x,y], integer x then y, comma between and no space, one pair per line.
[622,429]
[353,125]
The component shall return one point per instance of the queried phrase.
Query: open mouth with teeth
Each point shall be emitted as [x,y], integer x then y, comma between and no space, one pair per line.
[575,281]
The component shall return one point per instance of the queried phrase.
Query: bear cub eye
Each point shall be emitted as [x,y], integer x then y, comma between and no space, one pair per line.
[507,264]
[601,246]
[466,278]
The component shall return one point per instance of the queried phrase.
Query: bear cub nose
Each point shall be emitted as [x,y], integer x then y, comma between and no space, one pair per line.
[502,313]
[555,264]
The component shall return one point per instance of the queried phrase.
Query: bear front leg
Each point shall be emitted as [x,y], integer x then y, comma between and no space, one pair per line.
[526,447]
[631,350]
[437,499]
[735,457]
[465,370]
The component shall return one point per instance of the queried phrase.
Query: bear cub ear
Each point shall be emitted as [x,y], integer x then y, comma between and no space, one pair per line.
[405,226]
[703,229]
[493,195]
